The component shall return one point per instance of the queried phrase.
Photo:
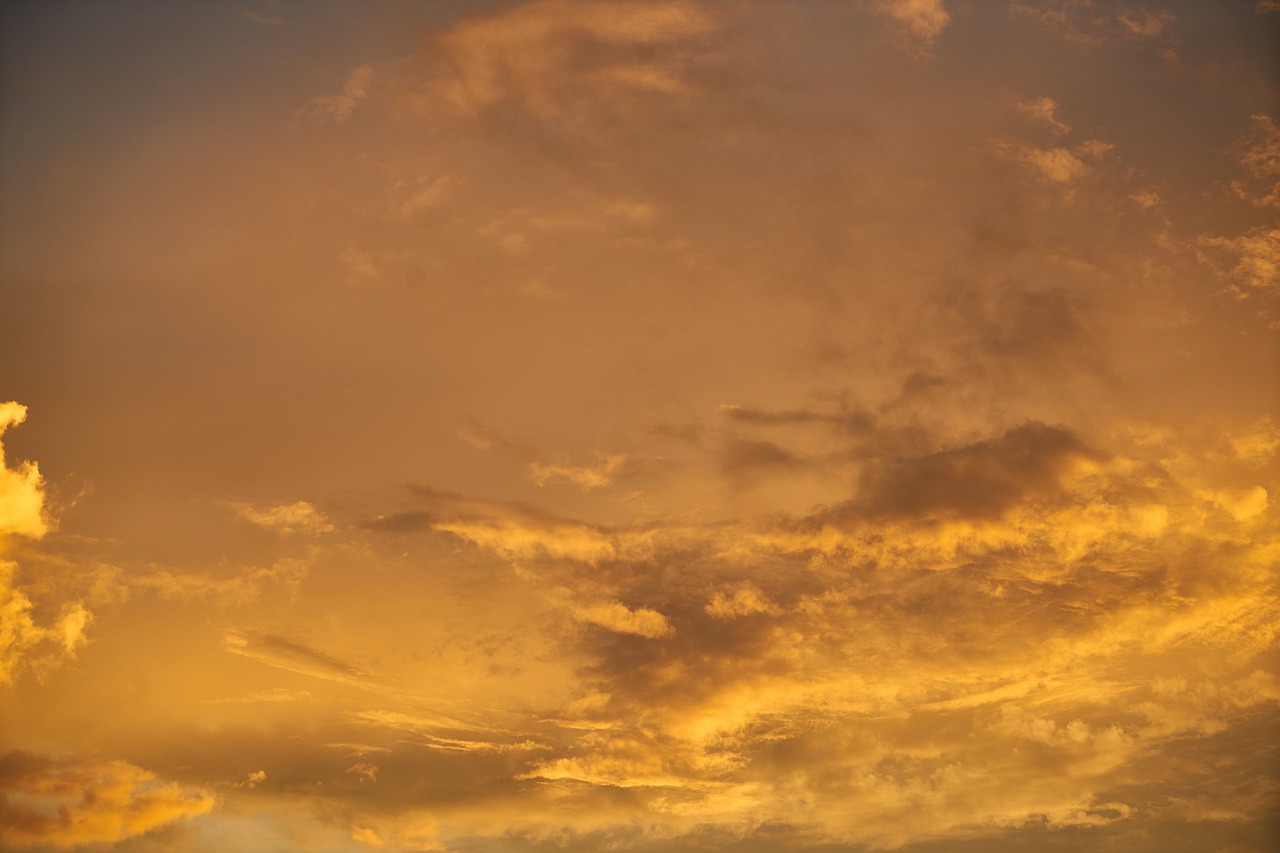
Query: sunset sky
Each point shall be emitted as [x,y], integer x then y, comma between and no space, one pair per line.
[640,425]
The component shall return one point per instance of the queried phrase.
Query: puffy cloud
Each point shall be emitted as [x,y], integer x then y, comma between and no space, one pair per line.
[24,642]
[22,513]
[65,803]
[21,488]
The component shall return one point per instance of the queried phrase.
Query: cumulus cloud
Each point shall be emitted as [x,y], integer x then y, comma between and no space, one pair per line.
[21,488]
[23,641]
[65,803]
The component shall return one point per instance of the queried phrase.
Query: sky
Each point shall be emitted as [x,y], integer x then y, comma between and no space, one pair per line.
[640,425]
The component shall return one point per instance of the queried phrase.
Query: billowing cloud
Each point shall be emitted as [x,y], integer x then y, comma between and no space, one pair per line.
[23,641]
[21,488]
[65,803]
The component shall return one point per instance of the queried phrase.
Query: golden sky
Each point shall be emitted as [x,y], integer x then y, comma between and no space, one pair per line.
[640,425]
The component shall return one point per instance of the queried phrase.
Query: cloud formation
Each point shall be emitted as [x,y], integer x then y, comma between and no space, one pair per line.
[21,488]
[64,803]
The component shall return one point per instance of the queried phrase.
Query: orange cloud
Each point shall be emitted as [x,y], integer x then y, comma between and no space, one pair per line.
[65,803]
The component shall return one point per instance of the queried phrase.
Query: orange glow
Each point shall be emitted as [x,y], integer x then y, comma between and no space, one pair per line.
[643,425]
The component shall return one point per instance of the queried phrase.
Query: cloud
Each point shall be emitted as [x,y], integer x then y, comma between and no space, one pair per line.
[244,586]
[1087,24]
[65,803]
[270,696]
[742,601]
[976,481]
[364,771]
[548,57]
[1056,166]
[252,780]
[1259,445]
[338,108]
[621,619]
[584,478]
[292,655]
[25,643]
[298,517]
[264,20]
[1044,109]
[1260,160]
[1250,262]
[541,470]
[21,488]
[923,20]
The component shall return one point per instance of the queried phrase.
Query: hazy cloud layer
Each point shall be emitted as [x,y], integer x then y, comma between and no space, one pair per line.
[644,426]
